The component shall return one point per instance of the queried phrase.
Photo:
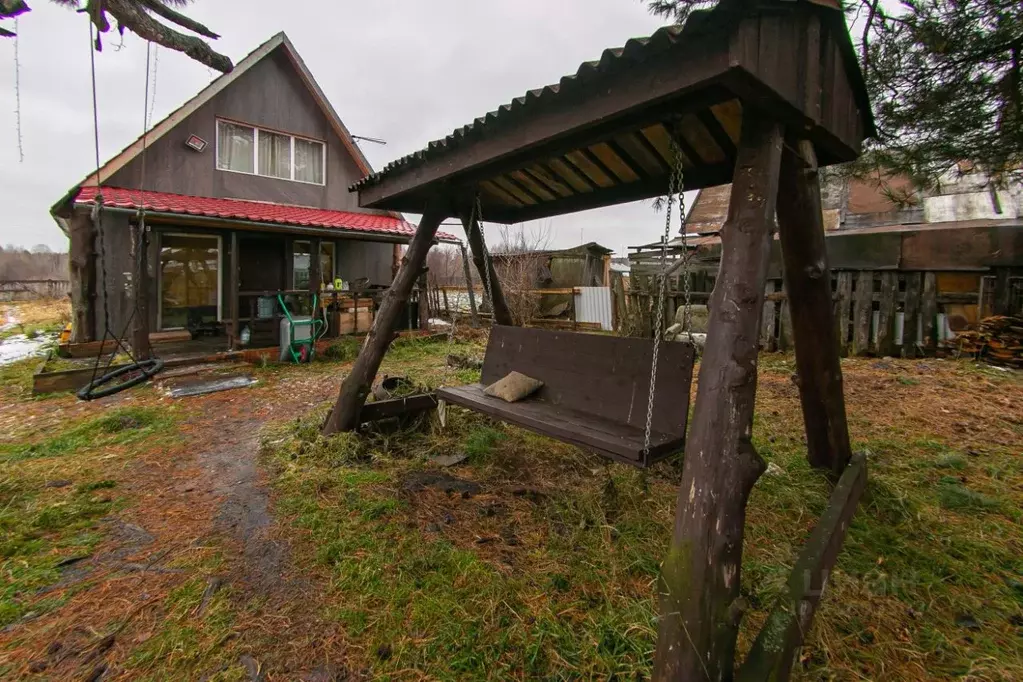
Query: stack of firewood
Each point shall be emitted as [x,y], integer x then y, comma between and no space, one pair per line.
[997,339]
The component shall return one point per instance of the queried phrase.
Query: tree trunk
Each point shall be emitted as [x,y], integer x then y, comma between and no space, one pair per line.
[502,314]
[140,295]
[808,283]
[699,586]
[356,386]
[82,271]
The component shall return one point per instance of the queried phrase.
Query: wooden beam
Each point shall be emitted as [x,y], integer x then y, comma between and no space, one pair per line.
[811,308]
[82,273]
[140,347]
[424,302]
[469,287]
[777,645]
[929,309]
[695,178]
[911,314]
[495,293]
[886,314]
[700,577]
[233,286]
[398,407]
[345,416]
[863,311]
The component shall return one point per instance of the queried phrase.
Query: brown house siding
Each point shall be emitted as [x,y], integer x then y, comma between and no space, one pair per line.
[269,95]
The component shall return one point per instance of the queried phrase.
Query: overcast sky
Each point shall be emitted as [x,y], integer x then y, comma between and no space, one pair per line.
[406,71]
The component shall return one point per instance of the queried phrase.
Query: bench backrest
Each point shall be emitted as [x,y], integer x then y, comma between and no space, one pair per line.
[608,376]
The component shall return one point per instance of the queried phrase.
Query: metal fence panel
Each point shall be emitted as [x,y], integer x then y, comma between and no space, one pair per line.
[593,304]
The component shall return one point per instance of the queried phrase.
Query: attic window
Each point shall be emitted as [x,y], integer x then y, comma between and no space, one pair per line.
[247,149]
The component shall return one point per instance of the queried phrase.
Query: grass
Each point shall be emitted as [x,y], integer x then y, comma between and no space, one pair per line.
[52,500]
[548,572]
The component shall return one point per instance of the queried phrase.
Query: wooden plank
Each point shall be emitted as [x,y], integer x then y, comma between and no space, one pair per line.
[82,273]
[777,645]
[1002,292]
[863,312]
[911,313]
[768,320]
[398,407]
[356,386]
[886,316]
[812,310]
[929,309]
[785,342]
[607,438]
[700,576]
[844,306]
[424,306]
[494,293]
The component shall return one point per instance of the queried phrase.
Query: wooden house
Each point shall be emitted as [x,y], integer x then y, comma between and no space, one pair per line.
[909,267]
[242,195]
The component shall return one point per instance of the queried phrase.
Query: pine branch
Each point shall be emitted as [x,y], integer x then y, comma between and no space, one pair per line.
[128,15]
[161,9]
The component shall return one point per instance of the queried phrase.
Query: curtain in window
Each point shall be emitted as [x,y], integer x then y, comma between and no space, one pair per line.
[235,147]
[327,262]
[274,155]
[309,161]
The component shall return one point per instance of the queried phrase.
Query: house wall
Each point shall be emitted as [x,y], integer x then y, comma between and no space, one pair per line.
[269,95]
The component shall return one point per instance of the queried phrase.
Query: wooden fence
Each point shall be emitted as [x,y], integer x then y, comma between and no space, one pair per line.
[878,312]
[32,289]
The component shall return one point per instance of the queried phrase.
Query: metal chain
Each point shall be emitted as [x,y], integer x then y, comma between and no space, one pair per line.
[687,309]
[674,187]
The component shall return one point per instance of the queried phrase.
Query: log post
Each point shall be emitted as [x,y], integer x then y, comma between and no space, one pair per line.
[501,312]
[699,584]
[315,274]
[140,293]
[232,292]
[812,311]
[82,272]
[469,287]
[356,386]
[424,302]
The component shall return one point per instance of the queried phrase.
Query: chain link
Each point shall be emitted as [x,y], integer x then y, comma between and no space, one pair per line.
[674,187]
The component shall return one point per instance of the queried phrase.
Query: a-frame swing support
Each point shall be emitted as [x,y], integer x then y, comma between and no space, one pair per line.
[776,88]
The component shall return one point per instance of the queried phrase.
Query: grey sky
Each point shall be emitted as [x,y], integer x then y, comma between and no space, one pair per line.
[407,71]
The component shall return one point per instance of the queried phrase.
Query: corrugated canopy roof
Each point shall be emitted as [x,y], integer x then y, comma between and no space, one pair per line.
[604,134]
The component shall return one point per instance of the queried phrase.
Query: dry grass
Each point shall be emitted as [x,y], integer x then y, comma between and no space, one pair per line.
[546,572]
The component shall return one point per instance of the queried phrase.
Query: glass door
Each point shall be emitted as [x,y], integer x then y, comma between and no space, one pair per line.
[189,280]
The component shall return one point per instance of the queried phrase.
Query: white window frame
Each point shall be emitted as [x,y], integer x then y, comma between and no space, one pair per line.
[159,276]
[255,152]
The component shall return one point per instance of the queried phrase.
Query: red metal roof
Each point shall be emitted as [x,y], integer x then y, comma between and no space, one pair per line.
[255,211]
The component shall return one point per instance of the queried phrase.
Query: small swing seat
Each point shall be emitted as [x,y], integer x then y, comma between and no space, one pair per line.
[594,394]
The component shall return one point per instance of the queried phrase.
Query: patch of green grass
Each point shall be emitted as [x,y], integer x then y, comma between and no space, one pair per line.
[190,645]
[39,531]
[954,495]
[345,349]
[907,381]
[435,582]
[118,426]
[481,441]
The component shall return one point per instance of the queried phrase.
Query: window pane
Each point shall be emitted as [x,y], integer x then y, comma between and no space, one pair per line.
[274,155]
[300,265]
[188,280]
[326,263]
[309,161]
[235,147]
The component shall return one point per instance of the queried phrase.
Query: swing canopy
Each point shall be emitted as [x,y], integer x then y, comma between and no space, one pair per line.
[602,136]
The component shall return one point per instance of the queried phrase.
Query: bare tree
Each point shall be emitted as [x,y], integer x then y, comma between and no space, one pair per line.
[137,17]
[521,261]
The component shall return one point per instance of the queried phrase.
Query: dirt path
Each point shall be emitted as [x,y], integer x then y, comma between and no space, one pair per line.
[198,510]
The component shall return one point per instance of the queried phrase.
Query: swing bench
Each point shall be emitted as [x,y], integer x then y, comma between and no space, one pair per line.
[594,394]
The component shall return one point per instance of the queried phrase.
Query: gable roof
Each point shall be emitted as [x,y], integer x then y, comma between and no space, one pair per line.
[220,84]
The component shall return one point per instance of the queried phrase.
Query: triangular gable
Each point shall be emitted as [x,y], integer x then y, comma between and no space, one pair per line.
[219,85]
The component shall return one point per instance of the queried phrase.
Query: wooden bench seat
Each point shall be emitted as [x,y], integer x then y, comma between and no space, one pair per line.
[594,394]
